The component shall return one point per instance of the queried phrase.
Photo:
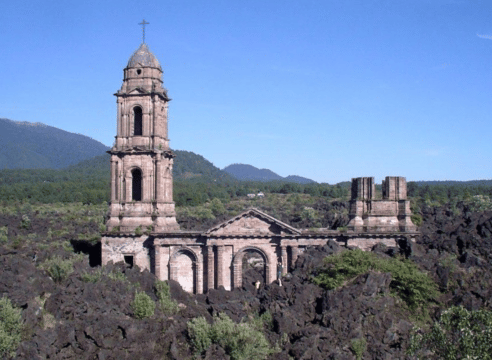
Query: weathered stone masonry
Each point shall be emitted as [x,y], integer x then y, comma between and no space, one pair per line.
[142,227]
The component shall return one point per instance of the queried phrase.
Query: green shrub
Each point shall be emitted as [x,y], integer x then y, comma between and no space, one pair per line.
[459,334]
[25,222]
[416,219]
[166,304]
[199,332]
[139,231]
[92,277]
[10,328]
[358,347]
[117,276]
[143,306]
[4,231]
[58,268]
[217,207]
[407,281]
[240,341]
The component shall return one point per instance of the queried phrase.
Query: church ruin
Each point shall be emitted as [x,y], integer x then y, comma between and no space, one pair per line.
[142,228]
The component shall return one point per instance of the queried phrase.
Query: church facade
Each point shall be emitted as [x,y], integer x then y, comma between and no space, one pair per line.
[142,229]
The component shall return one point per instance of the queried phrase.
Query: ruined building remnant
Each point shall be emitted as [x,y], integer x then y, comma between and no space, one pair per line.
[142,229]
[391,213]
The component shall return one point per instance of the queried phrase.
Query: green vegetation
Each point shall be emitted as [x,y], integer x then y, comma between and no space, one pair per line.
[10,328]
[358,347]
[413,286]
[240,341]
[58,268]
[143,306]
[166,304]
[459,334]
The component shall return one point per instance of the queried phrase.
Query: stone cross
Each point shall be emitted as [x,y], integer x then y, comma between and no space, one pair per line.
[143,23]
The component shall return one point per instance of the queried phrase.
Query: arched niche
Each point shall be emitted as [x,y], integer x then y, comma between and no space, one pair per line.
[184,269]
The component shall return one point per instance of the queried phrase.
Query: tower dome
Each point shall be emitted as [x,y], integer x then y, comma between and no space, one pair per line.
[143,57]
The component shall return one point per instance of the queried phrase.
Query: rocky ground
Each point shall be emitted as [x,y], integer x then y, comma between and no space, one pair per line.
[78,318]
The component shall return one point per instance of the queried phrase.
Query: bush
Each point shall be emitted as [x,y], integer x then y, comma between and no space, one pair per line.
[92,277]
[416,219]
[166,304]
[217,207]
[459,334]
[199,332]
[408,282]
[143,306]
[240,341]
[25,222]
[10,328]
[4,231]
[358,347]
[58,268]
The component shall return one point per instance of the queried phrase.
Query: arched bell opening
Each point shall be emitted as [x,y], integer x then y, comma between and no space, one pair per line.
[136,185]
[137,121]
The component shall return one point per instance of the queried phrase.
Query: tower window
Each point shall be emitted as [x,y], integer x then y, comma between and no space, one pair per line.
[139,72]
[137,121]
[137,185]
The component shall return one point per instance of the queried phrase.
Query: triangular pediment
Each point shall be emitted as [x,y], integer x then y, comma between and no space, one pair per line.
[137,91]
[253,222]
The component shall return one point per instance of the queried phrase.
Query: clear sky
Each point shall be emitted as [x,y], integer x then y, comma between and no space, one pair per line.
[325,89]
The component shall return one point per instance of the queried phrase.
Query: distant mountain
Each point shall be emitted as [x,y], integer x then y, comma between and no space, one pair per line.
[26,145]
[249,172]
[188,165]
[298,179]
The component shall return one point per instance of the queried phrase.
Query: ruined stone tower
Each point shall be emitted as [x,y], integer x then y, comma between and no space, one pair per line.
[141,161]
[391,213]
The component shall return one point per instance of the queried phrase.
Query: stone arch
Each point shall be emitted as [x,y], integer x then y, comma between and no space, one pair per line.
[137,121]
[184,267]
[237,265]
[137,182]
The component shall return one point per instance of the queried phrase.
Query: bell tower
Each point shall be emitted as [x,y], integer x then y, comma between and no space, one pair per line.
[141,160]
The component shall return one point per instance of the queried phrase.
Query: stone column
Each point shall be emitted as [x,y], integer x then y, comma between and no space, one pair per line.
[158,178]
[199,277]
[283,251]
[114,178]
[157,261]
[220,265]
[210,267]
[295,255]
[128,183]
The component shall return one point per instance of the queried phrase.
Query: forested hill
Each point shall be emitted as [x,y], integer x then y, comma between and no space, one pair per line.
[189,165]
[28,145]
[249,172]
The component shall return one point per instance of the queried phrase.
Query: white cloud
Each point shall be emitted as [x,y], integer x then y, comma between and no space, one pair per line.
[489,37]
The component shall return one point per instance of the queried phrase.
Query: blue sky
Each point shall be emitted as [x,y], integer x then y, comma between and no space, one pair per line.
[328,90]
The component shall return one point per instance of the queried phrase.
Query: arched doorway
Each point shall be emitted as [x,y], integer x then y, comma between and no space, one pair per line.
[250,265]
[253,267]
[183,270]
[137,121]
[136,185]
